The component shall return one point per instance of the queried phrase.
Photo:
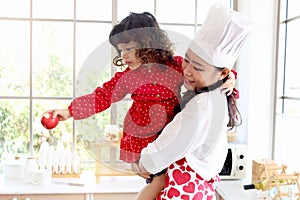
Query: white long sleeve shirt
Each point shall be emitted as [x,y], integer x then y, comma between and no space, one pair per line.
[197,133]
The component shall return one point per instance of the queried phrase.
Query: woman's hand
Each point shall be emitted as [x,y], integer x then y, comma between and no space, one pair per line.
[229,84]
[140,170]
[62,114]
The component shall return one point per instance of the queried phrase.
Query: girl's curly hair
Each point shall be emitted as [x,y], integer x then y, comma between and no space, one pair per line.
[155,45]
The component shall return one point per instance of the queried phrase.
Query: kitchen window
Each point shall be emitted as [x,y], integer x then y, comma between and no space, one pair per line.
[288,85]
[54,50]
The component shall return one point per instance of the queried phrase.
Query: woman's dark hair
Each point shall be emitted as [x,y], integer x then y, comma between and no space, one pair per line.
[155,45]
[235,118]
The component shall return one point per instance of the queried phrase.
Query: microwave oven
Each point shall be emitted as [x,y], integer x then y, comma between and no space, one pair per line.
[235,163]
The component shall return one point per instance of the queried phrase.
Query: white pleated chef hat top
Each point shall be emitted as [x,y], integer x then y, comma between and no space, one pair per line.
[222,36]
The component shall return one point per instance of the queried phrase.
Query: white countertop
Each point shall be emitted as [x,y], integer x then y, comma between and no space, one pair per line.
[108,184]
[234,190]
[228,189]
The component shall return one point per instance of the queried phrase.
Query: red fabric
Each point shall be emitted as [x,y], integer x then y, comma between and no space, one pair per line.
[155,92]
[234,72]
[235,92]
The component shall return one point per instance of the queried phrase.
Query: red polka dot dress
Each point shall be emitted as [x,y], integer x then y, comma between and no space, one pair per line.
[155,91]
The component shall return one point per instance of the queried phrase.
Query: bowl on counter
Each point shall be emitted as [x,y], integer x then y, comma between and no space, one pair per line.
[14,168]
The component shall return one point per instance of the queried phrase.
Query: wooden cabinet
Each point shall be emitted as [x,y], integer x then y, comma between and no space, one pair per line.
[43,197]
[115,196]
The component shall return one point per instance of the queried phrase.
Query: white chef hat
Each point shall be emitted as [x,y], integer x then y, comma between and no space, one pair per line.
[221,36]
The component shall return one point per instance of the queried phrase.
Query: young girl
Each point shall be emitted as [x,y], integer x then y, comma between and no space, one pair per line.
[153,78]
[194,145]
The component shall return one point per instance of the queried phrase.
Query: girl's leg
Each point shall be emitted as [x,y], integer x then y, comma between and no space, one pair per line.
[151,190]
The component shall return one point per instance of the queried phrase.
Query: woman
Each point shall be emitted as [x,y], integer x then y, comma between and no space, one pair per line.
[152,78]
[194,146]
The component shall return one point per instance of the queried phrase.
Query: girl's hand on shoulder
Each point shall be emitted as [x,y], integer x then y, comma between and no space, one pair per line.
[229,84]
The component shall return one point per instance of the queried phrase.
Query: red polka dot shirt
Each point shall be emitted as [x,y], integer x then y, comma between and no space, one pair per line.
[155,91]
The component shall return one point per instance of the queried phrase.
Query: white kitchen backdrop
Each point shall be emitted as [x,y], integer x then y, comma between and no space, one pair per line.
[45,44]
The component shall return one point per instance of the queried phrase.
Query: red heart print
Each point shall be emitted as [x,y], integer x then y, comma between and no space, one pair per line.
[210,198]
[206,184]
[172,183]
[185,197]
[211,187]
[188,168]
[167,181]
[190,188]
[201,187]
[181,178]
[182,168]
[161,195]
[198,196]
[199,177]
[180,162]
[173,193]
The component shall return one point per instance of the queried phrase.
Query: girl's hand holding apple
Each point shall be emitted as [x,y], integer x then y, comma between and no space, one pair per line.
[48,121]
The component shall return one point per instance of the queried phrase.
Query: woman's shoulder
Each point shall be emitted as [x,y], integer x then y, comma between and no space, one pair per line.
[204,99]
[178,60]
[199,101]
[175,63]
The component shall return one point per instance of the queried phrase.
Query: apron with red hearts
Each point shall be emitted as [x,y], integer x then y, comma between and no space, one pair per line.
[182,182]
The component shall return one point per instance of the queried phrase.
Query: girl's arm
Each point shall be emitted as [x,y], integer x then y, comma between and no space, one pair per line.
[229,85]
[98,101]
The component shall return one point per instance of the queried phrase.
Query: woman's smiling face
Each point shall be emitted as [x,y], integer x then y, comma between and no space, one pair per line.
[198,73]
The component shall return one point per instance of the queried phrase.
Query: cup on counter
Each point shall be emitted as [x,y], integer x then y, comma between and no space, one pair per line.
[31,167]
[41,177]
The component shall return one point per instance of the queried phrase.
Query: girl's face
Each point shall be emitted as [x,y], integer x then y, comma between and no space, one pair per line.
[198,73]
[128,51]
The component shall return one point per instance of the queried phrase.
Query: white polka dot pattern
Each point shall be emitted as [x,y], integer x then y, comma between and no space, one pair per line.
[155,91]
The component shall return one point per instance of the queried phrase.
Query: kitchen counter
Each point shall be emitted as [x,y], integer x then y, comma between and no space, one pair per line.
[234,190]
[109,187]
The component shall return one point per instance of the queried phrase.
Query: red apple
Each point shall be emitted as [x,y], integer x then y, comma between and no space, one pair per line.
[48,121]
